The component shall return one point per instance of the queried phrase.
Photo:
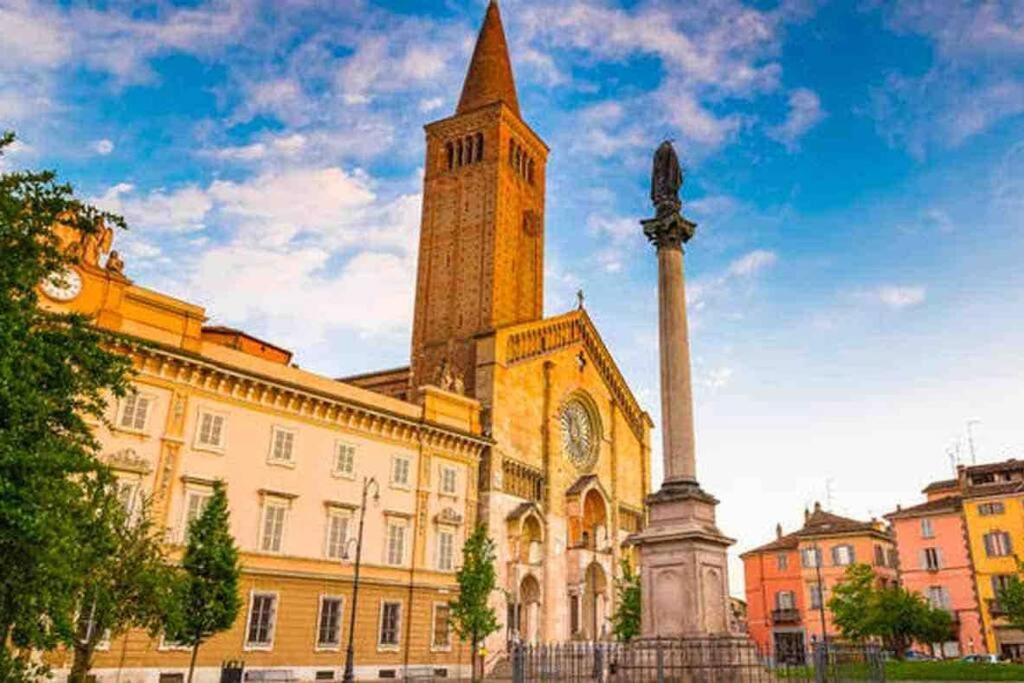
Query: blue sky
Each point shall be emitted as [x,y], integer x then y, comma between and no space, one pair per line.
[856,168]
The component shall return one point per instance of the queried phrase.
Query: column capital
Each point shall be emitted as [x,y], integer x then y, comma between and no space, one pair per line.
[670,231]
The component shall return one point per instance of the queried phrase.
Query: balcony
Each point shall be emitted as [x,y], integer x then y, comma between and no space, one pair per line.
[785,616]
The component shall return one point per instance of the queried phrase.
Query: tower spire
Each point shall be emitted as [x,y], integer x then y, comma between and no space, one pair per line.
[489,78]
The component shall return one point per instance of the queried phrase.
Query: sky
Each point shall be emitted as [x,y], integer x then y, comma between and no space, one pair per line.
[856,170]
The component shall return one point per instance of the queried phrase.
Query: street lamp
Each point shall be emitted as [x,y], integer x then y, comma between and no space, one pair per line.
[821,593]
[368,482]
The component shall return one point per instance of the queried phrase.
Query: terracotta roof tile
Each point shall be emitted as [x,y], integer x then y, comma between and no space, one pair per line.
[950,504]
[489,78]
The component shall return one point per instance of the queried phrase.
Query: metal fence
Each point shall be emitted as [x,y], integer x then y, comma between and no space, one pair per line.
[710,660]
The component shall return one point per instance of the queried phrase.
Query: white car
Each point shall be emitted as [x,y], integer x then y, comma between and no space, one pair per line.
[983,659]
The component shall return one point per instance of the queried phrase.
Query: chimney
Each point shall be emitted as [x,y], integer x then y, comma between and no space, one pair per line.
[817,506]
[778,531]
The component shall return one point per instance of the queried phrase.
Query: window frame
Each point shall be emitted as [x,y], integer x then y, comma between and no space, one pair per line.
[318,645]
[778,600]
[335,471]
[197,442]
[991,508]
[450,532]
[192,489]
[990,547]
[397,645]
[247,645]
[446,470]
[335,512]
[927,529]
[847,549]
[284,504]
[407,469]
[272,458]
[929,554]
[781,562]
[122,407]
[391,522]
[815,552]
[815,588]
[434,646]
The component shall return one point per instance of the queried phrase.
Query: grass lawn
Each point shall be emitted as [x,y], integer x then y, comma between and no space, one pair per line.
[920,671]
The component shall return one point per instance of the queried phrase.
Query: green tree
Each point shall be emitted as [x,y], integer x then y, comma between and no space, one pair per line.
[1011,598]
[627,616]
[852,601]
[207,599]
[471,616]
[56,376]
[128,583]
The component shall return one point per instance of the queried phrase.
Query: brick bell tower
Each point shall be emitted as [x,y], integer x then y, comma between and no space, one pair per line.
[481,254]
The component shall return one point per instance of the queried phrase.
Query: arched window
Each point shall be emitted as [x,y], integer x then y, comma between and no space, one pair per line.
[469,150]
[519,160]
[511,152]
[459,155]
[529,172]
[450,151]
[479,146]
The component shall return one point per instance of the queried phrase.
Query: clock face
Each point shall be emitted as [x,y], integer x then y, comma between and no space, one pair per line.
[62,286]
[578,438]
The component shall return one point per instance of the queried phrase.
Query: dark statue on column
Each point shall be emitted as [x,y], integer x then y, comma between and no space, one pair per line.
[666,180]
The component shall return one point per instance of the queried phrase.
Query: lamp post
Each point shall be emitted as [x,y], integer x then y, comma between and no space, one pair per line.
[349,652]
[821,594]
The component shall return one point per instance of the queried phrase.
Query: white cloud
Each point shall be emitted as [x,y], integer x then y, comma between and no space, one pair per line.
[702,292]
[102,147]
[752,263]
[183,210]
[900,297]
[804,113]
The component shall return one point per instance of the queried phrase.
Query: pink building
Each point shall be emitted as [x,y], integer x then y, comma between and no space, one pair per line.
[935,561]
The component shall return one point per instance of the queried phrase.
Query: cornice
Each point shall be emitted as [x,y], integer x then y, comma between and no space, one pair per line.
[182,368]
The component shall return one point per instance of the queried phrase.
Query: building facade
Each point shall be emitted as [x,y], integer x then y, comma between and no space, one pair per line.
[789,581]
[503,416]
[936,562]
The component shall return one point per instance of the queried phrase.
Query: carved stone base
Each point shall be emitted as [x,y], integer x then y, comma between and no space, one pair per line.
[684,570]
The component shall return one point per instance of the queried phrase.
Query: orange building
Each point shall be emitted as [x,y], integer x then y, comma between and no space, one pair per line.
[789,580]
[935,561]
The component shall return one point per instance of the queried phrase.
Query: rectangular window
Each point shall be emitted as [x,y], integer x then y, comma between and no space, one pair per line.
[135,412]
[127,495]
[337,534]
[997,544]
[399,471]
[329,627]
[879,556]
[816,596]
[811,557]
[782,561]
[344,460]
[273,527]
[195,503]
[988,509]
[282,446]
[1000,582]
[842,555]
[574,614]
[211,430]
[396,543]
[260,631]
[445,543]
[938,596]
[932,560]
[390,623]
[448,480]
[442,630]
[926,529]
[785,600]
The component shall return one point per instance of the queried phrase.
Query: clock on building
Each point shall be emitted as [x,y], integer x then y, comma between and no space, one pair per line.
[63,285]
[579,440]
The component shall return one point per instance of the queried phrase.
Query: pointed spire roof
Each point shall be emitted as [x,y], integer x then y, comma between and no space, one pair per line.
[489,78]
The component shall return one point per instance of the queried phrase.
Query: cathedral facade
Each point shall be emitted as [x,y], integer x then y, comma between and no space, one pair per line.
[503,417]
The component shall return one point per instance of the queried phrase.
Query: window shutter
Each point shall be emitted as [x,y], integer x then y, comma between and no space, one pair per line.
[987,538]
[1008,545]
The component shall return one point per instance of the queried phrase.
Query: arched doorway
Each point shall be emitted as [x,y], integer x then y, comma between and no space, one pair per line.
[595,601]
[595,521]
[529,600]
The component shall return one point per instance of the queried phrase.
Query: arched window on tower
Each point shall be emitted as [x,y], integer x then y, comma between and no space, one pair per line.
[459,153]
[529,172]
[469,150]
[519,160]
[450,151]
[511,152]
[479,146]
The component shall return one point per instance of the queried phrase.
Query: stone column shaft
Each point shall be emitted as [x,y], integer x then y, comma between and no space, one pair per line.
[677,437]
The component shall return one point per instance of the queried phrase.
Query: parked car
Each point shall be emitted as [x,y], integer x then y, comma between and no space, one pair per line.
[983,659]
[918,656]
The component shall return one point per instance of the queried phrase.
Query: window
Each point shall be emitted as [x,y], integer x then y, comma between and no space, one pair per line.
[811,557]
[211,431]
[396,543]
[879,556]
[842,555]
[574,614]
[997,544]
[442,630]
[328,633]
[390,622]
[1000,582]
[894,559]
[445,543]
[344,460]
[195,503]
[931,559]
[337,534]
[479,146]
[926,529]
[134,412]
[262,614]
[282,446]
[782,561]
[785,600]
[938,597]
[448,480]
[988,509]
[127,495]
[816,596]
[400,471]
[273,526]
